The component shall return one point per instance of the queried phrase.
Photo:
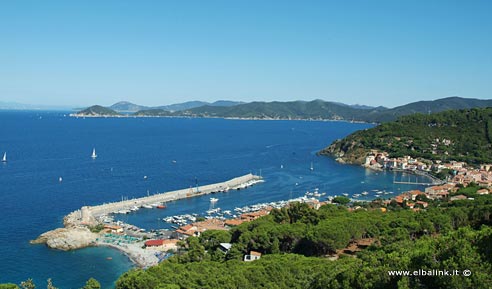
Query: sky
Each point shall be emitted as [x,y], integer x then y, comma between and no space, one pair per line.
[161,52]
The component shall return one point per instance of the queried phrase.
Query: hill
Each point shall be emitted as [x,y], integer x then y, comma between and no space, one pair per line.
[462,135]
[319,109]
[97,111]
[316,109]
[426,107]
[125,106]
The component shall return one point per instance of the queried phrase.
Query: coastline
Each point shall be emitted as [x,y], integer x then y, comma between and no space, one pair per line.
[142,258]
[218,117]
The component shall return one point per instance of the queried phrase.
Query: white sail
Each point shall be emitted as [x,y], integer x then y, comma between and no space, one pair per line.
[94,153]
[4,159]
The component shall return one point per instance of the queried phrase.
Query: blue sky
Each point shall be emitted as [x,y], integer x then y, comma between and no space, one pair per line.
[161,52]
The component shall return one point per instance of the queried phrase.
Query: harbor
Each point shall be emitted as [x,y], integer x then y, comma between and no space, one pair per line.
[87,215]
[94,226]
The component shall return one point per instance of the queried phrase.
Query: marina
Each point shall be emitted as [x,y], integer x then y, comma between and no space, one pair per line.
[87,215]
[235,151]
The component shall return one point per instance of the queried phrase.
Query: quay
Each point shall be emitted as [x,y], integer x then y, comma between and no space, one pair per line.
[415,183]
[87,215]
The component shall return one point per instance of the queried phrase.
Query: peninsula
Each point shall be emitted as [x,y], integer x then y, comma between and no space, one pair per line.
[292,110]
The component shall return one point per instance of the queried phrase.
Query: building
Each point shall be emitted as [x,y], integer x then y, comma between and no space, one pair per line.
[253,255]
[225,247]
[113,229]
[162,245]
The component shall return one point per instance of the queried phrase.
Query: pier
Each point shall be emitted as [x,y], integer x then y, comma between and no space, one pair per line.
[87,214]
[415,183]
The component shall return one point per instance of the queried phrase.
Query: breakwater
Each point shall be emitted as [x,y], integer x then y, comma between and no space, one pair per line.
[87,215]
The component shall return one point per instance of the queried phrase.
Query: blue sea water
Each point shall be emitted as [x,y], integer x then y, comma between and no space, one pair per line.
[44,146]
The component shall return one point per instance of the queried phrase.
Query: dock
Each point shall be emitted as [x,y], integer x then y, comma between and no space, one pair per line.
[87,214]
[415,183]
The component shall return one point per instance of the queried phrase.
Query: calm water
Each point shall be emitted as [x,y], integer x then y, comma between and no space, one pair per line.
[43,146]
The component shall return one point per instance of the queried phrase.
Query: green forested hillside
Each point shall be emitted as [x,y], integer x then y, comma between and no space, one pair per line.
[295,241]
[463,135]
[97,110]
[316,109]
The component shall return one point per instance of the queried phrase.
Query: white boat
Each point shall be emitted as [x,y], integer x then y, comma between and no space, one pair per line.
[213,200]
[311,168]
[60,179]
[4,159]
[94,155]
[281,166]
[365,193]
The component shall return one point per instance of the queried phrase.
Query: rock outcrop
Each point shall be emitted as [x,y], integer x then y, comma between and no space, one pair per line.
[67,238]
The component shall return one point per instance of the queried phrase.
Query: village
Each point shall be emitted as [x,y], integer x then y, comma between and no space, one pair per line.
[149,248]
[457,175]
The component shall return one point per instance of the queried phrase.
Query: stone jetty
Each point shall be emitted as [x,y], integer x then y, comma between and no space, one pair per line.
[77,234]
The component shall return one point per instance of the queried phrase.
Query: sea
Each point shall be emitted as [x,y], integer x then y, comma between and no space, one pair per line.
[50,173]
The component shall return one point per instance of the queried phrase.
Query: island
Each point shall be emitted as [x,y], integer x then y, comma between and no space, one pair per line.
[97,111]
[290,110]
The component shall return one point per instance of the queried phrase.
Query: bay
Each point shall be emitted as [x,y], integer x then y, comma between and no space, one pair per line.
[141,156]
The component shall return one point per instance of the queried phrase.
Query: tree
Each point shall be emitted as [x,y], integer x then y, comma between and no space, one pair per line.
[342,200]
[92,284]
[8,286]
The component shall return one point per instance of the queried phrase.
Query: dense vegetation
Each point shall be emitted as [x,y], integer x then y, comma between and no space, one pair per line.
[97,110]
[296,243]
[29,284]
[317,109]
[462,135]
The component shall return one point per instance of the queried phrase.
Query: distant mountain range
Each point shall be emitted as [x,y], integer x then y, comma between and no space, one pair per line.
[316,109]
[125,106]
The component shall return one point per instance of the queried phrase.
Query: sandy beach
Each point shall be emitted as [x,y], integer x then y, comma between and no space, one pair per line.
[143,258]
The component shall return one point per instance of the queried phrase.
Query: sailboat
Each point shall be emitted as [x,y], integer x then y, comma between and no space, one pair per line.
[311,168]
[4,159]
[94,153]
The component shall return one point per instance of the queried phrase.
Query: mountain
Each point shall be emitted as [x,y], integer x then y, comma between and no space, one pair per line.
[96,111]
[194,104]
[182,106]
[316,109]
[226,103]
[319,109]
[431,106]
[461,135]
[125,106]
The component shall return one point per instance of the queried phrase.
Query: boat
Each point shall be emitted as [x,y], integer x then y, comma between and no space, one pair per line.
[311,168]
[94,155]
[161,207]
[281,166]
[60,179]
[4,159]
[213,200]
[365,193]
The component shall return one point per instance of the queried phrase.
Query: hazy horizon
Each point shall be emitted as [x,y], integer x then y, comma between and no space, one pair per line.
[156,52]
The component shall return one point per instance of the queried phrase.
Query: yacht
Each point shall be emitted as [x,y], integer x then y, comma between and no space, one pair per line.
[94,153]
[4,159]
[213,200]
